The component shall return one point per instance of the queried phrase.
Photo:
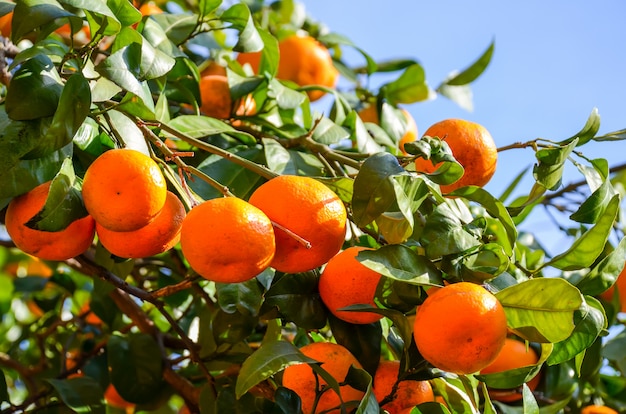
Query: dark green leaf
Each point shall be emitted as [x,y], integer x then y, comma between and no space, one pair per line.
[327,132]
[136,367]
[591,128]
[586,248]
[71,112]
[64,203]
[29,15]
[549,171]
[542,309]
[270,358]
[177,26]
[444,234]
[594,206]
[399,262]
[471,73]
[82,394]
[35,90]
[245,297]
[487,263]
[362,340]
[101,19]
[438,151]
[374,189]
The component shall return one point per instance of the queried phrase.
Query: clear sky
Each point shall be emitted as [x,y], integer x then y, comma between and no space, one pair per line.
[554,61]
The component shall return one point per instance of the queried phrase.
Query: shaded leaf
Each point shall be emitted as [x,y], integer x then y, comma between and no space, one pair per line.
[594,206]
[444,234]
[401,263]
[83,394]
[603,275]
[270,358]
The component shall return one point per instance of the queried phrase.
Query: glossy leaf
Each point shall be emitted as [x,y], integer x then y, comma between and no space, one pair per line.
[327,132]
[64,203]
[83,394]
[487,263]
[513,378]
[594,206]
[197,126]
[401,263]
[589,131]
[551,162]
[542,309]
[73,108]
[35,90]
[286,97]
[457,400]
[374,190]
[249,39]
[409,88]
[444,235]
[471,73]
[29,15]
[287,161]
[592,322]
[177,26]
[101,17]
[242,297]
[271,358]
[605,273]
[586,248]
[439,152]
[205,7]
[136,366]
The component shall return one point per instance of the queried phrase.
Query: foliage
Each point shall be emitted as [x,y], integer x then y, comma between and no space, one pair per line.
[168,337]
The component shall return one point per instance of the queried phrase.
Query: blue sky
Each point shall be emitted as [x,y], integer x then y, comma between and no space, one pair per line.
[554,61]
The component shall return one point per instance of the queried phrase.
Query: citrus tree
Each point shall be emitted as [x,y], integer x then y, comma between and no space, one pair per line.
[206,208]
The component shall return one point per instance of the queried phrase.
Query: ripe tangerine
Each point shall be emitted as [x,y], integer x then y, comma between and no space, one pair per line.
[124,189]
[301,378]
[409,393]
[303,60]
[345,281]
[472,146]
[59,245]
[460,328]
[306,208]
[227,240]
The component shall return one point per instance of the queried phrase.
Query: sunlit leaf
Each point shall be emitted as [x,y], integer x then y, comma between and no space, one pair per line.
[605,273]
[594,206]
[551,162]
[586,248]
[541,309]
[591,128]
[401,263]
[443,234]
[239,16]
[410,87]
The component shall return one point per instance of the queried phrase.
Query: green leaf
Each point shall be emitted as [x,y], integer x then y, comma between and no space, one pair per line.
[589,131]
[206,7]
[586,248]
[100,17]
[605,273]
[35,90]
[123,68]
[122,10]
[409,88]
[286,161]
[438,151]
[487,263]
[178,27]
[136,367]
[327,132]
[399,262]
[592,322]
[286,98]
[29,15]
[513,378]
[157,37]
[249,39]
[64,203]
[594,206]
[239,180]
[471,73]
[549,171]
[245,297]
[270,358]
[461,95]
[82,394]
[374,190]
[542,309]
[295,298]
[495,209]
[444,234]
[73,108]
[197,126]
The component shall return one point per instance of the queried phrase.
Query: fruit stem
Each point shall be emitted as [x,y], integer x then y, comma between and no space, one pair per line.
[299,239]
[252,166]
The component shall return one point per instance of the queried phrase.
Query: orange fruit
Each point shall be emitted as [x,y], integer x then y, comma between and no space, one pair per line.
[149,8]
[301,378]
[344,282]
[6,23]
[216,99]
[59,245]
[370,114]
[124,189]
[308,209]
[597,409]
[472,146]
[31,266]
[156,237]
[514,354]
[213,68]
[409,393]
[114,399]
[460,328]
[227,240]
[72,358]
[620,284]
[303,60]
[82,36]
[90,317]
